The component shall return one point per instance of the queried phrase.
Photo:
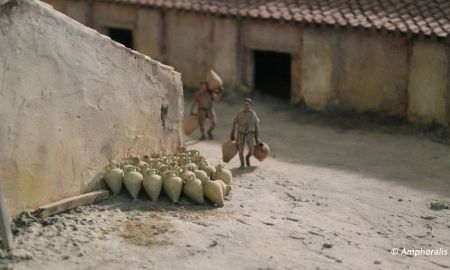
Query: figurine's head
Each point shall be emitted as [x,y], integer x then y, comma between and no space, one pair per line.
[247,104]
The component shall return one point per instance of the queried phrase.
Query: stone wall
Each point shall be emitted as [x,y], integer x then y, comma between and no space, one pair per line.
[70,101]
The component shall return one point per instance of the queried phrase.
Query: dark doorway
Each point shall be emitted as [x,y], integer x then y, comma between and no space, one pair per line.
[272,73]
[124,36]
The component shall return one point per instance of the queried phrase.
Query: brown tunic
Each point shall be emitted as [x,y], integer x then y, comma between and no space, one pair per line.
[204,100]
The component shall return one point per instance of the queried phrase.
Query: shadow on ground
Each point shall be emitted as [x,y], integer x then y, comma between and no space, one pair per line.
[125,203]
[242,171]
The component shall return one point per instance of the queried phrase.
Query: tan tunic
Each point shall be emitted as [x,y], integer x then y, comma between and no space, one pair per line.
[247,125]
[246,121]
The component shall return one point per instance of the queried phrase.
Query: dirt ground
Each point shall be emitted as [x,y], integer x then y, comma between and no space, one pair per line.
[328,198]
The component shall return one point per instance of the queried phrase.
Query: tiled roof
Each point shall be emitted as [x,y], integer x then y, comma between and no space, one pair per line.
[427,17]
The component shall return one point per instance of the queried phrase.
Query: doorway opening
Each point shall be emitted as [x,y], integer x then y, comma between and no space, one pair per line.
[272,73]
[123,36]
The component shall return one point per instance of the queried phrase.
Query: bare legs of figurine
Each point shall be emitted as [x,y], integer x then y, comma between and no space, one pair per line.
[213,121]
[241,155]
[201,122]
[251,151]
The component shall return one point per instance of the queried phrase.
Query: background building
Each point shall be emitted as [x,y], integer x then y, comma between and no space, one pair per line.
[383,56]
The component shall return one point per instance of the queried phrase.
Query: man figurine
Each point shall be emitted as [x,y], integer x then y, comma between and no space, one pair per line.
[247,125]
[204,98]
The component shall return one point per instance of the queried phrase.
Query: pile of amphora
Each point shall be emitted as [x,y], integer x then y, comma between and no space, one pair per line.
[187,173]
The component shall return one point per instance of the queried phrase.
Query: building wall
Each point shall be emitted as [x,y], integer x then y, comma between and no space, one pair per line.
[78,10]
[349,69]
[149,33]
[269,36]
[197,43]
[59,5]
[374,73]
[224,51]
[189,45]
[105,15]
[71,101]
[429,83]
[317,68]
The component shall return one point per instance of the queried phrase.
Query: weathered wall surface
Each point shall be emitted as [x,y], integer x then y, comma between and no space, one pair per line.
[271,36]
[267,36]
[70,101]
[197,43]
[317,68]
[429,83]
[189,45]
[374,73]
[148,33]
[146,24]
[348,69]
[59,5]
[79,11]
[224,51]
[105,15]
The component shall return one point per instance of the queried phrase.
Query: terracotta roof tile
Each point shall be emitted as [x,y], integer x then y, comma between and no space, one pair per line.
[427,17]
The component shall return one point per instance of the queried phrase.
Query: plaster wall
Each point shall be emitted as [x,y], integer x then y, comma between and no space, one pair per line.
[59,5]
[189,45]
[71,100]
[270,36]
[105,15]
[373,73]
[148,33]
[224,51]
[78,10]
[429,83]
[349,69]
[317,68]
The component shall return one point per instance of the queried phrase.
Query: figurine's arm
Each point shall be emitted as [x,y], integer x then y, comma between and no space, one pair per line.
[217,95]
[233,129]
[220,93]
[257,132]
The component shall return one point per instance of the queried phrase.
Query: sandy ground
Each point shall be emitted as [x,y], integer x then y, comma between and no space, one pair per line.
[328,198]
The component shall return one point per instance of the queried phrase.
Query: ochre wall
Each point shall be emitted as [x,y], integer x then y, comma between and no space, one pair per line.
[148,33]
[269,36]
[224,51]
[189,40]
[78,10]
[71,100]
[59,5]
[428,83]
[106,15]
[197,43]
[317,68]
[349,69]
[374,73]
